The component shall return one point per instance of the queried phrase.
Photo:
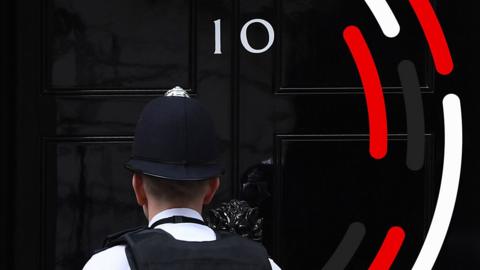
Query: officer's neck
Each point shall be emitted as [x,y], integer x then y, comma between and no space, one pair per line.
[153,209]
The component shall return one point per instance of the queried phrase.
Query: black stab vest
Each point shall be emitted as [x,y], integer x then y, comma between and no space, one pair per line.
[155,249]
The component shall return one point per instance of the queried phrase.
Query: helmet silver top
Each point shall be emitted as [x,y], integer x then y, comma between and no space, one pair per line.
[177,91]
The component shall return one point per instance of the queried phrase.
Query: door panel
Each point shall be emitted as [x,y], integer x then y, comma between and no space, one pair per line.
[336,183]
[84,192]
[119,44]
[314,57]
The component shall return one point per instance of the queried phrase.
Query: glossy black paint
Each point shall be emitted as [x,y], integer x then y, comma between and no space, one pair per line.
[7,134]
[341,184]
[84,193]
[312,55]
[119,44]
[292,123]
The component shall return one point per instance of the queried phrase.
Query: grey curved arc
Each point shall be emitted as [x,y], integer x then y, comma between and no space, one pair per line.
[346,249]
[415,115]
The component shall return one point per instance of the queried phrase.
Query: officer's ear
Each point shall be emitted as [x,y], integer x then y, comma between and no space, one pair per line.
[138,187]
[212,187]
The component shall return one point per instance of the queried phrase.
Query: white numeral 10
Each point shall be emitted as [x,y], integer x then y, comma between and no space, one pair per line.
[243,36]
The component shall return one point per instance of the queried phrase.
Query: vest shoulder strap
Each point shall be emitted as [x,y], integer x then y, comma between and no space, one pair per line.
[118,238]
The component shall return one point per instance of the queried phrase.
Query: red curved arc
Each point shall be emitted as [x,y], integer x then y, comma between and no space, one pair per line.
[388,251]
[434,35]
[367,69]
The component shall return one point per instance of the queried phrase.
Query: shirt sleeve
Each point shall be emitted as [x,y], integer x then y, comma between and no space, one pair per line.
[113,258]
[274,265]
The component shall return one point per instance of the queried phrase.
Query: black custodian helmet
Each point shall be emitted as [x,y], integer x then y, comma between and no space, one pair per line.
[175,140]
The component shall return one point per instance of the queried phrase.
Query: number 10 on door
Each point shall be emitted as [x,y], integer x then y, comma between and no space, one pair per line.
[244,36]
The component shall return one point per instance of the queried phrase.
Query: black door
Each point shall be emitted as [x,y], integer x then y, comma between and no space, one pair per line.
[289,109]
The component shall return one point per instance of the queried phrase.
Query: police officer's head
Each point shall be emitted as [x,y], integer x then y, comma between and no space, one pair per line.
[175,156]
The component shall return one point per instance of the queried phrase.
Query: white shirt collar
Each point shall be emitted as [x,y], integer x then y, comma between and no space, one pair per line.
[186,212]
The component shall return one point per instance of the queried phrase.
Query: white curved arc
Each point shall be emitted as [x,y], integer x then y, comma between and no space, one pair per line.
[385,17]
[452,163]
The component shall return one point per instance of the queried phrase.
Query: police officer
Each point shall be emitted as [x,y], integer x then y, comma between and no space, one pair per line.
[175,172]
